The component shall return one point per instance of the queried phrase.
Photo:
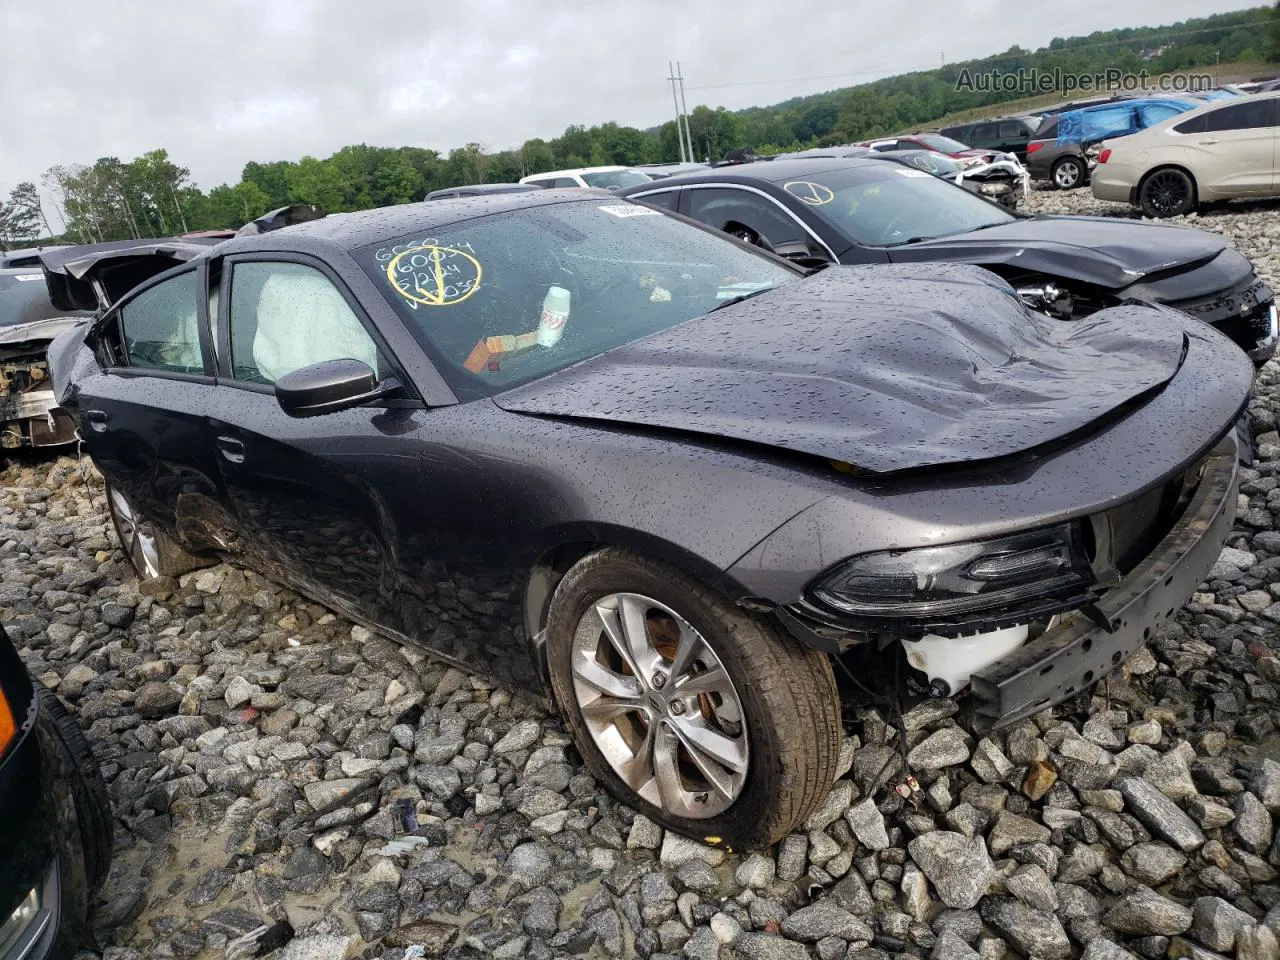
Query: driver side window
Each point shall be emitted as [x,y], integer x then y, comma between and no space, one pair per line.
[161,329]
[286,316]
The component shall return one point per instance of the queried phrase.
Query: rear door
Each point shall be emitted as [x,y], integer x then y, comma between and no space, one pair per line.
[1013,137]
[1232,150]
[143,416]
[748,213]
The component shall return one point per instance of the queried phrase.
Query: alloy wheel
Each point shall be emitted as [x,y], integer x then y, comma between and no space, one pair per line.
[137,536]
[1167,192]
[660,706]
[1067,175]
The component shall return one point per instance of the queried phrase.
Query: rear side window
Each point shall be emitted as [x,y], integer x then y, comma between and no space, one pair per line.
[1153,113]
[1241,116]
[985,131]
[667,199]
[731,210]
[286,316]
[1048,129]
[956,133]
[1012,130]
[161,329]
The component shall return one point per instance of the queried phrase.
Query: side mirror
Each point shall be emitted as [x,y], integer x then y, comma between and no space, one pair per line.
[327,387]
[799,253]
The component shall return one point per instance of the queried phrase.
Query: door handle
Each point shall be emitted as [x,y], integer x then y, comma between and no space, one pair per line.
[97,419]
[1208,141]
[231,449]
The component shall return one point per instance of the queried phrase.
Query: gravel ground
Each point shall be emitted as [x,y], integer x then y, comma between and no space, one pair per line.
[268,760]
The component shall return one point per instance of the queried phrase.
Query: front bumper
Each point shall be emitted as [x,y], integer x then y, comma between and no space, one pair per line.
[1067,659]
[1246,314]
[33,419]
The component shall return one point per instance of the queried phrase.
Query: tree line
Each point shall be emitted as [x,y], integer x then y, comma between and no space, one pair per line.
[152,195]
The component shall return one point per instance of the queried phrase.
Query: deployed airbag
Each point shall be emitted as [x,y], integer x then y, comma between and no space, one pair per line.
[885,367]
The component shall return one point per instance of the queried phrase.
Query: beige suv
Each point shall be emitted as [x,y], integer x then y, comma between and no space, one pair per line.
[1221,151]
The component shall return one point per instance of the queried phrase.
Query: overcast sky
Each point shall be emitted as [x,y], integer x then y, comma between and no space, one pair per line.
[221,82]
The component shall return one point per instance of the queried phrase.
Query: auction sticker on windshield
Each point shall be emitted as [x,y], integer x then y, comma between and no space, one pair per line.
[630,210]
[433,275]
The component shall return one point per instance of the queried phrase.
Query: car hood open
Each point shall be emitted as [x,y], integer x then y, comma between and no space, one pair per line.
[885,368]
[1106,251]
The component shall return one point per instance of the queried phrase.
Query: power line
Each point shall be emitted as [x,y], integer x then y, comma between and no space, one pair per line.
[900,68]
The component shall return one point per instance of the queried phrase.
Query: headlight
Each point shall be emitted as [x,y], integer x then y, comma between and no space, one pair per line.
[958,578]
[15,926]
[995,189]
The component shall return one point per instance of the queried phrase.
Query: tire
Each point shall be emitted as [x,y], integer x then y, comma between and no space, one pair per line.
[89,790]
[1068,173]
[150,551]
[1167,193]
[786,738]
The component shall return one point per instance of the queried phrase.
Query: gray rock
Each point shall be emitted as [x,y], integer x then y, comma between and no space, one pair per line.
[1144,912]
[945,748]
[1032,886]
[678,850]
[522,736]
[1170,776]
[756,872]
[702,945]
[959,868]
[1161,815]
[644,835]
[530,864]
[989,762]
[867,824]
[825,919]
[155,700]
[317,947]
[1252,826]
[1266,785]
[1257,943]
[1217,924]
[837,802]
[761,946]
[322,793]
[726,928]
[1011,830]
[1029,931]
[1100,948]
[951,946]
[793,852]
[1152,863]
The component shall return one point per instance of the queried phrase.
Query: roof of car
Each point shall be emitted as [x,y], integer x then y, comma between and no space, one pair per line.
[350,231]
[576,170]
[777,171]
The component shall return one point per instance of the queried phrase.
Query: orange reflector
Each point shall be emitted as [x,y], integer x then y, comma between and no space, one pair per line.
[8,729]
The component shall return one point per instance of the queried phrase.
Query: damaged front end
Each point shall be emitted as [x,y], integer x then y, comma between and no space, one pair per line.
[1004,180]
[1025,621]
[29,412]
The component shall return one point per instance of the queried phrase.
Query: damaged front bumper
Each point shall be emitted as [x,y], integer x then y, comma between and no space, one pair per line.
[32,418]
[1079,650]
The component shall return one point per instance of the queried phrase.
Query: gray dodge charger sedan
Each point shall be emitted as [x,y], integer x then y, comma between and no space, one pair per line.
[682,487]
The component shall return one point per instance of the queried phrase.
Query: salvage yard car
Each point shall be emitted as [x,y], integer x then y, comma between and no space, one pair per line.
[28,324]
[55,820]
[1221,151]
[818,211]
[674,482]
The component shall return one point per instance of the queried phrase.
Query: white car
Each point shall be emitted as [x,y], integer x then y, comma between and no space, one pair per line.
[1225,150]
[606,178]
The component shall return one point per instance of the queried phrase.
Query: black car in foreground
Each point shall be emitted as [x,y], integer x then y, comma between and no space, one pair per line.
[55,820]
[863,211]
[664,477]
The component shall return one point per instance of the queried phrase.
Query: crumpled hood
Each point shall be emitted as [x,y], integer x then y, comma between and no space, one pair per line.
[885,367]
[1107,251]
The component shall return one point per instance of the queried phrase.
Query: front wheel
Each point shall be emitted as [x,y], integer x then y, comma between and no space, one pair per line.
[1167,193]
[704,717]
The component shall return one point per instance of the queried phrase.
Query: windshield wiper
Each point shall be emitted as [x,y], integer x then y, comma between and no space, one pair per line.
[739,298]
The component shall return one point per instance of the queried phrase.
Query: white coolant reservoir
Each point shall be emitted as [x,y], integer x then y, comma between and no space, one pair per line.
[953,660]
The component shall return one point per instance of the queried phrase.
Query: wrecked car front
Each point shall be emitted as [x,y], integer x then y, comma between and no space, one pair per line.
[1016,511]
[28,324]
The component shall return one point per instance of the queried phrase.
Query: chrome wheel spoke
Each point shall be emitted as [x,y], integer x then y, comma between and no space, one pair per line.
[666,769]
[714,680]
[705,742]
[687,651]
[611,684]
[613,621]
[637,772]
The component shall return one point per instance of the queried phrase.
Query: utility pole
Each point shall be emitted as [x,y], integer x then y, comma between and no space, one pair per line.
[676,103]
[685,107]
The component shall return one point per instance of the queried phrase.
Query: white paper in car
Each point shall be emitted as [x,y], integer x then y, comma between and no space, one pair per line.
[630,210]
[913,173]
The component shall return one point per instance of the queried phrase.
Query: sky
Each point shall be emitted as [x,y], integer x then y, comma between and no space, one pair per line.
[221,82]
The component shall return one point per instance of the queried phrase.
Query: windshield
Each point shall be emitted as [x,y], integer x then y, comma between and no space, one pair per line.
[895,205]
[501,300]
[940,143]
[935,163]
[614,179]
